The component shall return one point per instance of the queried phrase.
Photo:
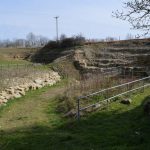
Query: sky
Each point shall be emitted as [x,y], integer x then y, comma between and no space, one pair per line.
[91,18]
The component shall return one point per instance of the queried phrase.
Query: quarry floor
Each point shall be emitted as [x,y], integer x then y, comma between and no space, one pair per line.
[32,123]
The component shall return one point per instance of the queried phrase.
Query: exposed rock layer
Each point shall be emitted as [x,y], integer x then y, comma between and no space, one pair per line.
[17,91]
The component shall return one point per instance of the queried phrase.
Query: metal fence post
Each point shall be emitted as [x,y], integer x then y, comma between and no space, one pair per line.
[78,108]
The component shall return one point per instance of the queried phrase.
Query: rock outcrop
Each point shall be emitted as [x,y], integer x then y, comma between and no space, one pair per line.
[17,91]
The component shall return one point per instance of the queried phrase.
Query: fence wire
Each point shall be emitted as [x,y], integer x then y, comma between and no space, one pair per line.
[105,96]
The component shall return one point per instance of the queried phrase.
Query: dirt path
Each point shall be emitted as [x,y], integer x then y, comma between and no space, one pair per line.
[29,110]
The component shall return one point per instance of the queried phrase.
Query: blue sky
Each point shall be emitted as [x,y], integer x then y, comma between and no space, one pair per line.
[92,18]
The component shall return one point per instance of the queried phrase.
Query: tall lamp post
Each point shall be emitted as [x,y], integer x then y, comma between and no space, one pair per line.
[57,37]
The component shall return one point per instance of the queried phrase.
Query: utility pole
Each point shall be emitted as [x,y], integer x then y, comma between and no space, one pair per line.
[57,37]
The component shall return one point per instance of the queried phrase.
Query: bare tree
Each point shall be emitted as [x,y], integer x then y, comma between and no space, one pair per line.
[19,43]
[137,13]
[31,38]
[36,40]
[42,40]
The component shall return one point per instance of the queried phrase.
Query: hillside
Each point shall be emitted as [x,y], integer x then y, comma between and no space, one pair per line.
[133,53]
[38,120]
[102,54]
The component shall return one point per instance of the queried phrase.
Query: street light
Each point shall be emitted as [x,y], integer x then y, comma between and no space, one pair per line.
[57,37]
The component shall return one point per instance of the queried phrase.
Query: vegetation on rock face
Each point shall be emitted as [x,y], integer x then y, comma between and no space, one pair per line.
[54,49]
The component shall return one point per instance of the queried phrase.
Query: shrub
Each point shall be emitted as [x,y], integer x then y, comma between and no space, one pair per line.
[72,41]
[67,42]
[65,104]
[52,44]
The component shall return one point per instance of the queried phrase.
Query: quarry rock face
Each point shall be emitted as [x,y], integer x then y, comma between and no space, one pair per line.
[109,55]
[25,85]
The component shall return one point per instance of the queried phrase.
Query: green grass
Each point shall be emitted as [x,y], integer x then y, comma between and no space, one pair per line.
[7,55]
[32,123]
[10,62]
[10,51]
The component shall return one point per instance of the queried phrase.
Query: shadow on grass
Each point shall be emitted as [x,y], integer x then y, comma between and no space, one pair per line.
[145,100]
[106,130]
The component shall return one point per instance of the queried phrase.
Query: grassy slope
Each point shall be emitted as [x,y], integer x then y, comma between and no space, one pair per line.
[31,123]
[6,55]
[4,60]
[12,51]
[12,61]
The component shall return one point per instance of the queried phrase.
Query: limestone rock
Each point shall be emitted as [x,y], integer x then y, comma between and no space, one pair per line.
[6,95]
[19,85]
[20,89]
[10,90]
[22,93]
[32,86]
[38,81]
[17,96]
[1,101]
[5,101]
[2,97]
[38,86]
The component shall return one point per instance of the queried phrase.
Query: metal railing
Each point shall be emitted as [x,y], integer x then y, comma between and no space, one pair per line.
[144,81]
